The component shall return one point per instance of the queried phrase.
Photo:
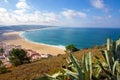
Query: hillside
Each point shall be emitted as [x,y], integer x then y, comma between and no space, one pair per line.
[45,66]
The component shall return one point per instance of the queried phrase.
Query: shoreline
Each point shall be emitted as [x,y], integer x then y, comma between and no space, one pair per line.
[17,38]
[22,36]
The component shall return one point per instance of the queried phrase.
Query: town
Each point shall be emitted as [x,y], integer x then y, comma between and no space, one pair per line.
[5,53]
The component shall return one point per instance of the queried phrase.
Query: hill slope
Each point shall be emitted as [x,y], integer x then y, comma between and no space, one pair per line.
[37,69]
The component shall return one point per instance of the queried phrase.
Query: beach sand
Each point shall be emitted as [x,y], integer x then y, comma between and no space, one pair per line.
[16,39]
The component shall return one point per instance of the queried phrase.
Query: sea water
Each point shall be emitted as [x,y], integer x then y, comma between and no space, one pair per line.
[80,37]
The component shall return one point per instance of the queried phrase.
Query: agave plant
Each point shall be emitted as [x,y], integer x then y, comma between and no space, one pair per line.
[86,70]
[111,65]
[78,71]
[57,76]
[83,72]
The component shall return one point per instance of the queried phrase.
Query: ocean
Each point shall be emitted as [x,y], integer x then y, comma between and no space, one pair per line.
[80,37]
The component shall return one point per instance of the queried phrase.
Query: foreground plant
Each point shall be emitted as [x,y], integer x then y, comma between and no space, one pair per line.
[107,69]
[76,70]
[3,69]
[111,65]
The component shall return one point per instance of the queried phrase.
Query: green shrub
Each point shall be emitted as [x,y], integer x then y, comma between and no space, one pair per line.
[18,57]
[1,50]
[71,48]
[3,69]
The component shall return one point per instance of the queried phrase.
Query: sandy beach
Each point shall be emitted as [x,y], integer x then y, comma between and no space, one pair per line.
[16,39]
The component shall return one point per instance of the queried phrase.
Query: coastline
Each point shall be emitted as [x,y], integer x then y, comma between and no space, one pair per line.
[22,36]
[17,38]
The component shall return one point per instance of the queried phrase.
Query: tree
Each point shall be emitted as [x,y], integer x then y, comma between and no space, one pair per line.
[3,69]
[1,50]
[18,57]
[71,48]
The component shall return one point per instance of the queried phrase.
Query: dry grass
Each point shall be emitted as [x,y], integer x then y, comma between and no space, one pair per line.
[45,66]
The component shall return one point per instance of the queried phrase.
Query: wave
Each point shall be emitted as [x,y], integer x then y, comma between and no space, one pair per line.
[60,46]
[21,34]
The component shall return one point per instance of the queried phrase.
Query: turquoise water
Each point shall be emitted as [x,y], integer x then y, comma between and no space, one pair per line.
[80,37]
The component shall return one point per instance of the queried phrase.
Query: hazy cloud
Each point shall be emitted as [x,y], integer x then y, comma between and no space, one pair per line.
[22,4]
[70,14]
[102,18]
[22,17]
[24,14]
[2,10]
[97,4]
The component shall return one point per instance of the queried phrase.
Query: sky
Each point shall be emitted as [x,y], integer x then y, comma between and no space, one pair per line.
[73,13]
